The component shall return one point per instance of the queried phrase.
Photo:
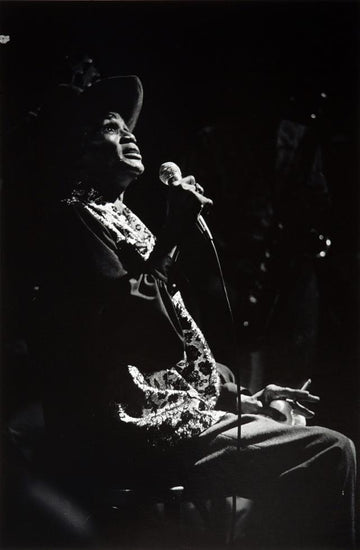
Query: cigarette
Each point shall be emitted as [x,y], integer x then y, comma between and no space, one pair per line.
[303,388]
[306,384]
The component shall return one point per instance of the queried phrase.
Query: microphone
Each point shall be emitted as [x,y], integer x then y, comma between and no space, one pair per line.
[169,173]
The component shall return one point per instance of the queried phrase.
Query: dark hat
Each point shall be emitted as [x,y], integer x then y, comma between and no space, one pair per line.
[121,94]
[68,104]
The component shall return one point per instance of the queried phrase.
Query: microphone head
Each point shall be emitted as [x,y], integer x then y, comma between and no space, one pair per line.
[169,172]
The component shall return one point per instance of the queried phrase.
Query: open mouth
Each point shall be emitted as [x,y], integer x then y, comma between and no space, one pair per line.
[132,153]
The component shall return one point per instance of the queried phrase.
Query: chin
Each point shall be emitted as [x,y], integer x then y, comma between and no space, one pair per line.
[136,167]
[131,168]
[128,176]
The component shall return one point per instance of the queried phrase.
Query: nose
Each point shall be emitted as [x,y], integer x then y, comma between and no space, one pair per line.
[127,137]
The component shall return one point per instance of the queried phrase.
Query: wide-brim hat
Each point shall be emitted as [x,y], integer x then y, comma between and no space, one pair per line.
[68,106]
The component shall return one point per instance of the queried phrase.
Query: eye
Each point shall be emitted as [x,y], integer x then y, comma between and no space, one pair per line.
[110,128]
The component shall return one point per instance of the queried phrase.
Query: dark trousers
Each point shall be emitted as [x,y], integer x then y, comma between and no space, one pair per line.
[302,479]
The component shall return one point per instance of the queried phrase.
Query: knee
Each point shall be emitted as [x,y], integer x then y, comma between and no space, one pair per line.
[341,448]
[348,454]
[348,449]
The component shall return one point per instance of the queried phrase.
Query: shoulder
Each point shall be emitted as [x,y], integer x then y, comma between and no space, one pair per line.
[77,216]
[72,225]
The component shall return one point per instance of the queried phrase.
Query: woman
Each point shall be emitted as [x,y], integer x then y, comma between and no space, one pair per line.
[128,376]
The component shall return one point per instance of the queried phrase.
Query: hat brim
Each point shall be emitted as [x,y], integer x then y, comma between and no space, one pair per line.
[120,94]
[68,108]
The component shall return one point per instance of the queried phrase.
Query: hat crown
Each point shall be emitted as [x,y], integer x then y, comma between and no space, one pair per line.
[69,104]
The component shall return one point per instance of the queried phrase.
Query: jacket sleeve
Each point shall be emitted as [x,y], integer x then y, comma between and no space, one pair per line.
[110,287]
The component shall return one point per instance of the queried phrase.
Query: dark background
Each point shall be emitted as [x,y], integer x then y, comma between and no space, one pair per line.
[228,66]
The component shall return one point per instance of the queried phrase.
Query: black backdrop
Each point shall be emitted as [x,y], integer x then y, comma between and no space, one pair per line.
[201,63]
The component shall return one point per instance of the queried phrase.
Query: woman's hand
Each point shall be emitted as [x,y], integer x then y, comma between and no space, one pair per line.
[272,392]
[259,403]
[185,202]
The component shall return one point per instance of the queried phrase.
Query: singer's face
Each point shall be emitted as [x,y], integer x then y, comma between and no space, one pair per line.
[112,156]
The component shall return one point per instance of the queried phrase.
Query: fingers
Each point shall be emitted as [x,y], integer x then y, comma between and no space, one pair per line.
[272,392]
[188,184]
[300,409]
[199,189]
[190,180]
[184,205]
[299,395]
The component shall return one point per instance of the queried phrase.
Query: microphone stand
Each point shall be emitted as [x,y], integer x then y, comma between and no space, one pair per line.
[206,232]
[170,172]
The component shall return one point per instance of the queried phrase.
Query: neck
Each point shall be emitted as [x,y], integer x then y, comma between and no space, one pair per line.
[119,202]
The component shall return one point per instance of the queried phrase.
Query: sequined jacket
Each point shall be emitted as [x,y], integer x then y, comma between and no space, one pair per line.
[118,349]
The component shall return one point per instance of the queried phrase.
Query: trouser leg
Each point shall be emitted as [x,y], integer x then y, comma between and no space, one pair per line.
[313,503]
[302,476]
